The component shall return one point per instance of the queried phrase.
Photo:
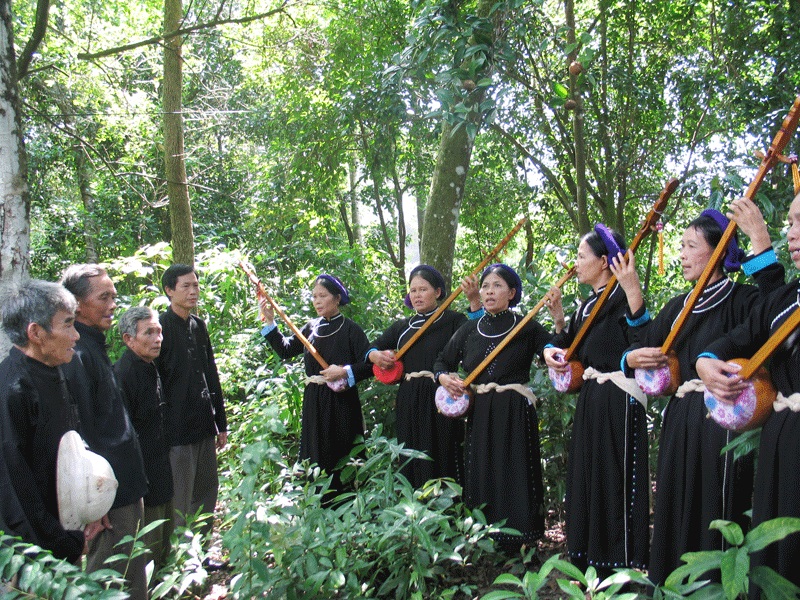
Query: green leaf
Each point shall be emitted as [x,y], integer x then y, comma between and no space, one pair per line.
[730,531]
[773,585]
[734,566]
[560,90]
[770,531]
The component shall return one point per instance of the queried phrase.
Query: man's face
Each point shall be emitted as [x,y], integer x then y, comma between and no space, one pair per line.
[186,293]
[146,344]
[56,347]
[97,308]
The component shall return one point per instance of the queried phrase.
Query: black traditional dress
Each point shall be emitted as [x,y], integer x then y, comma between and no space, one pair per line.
[777,482]
[419,425]
[607,495]
[331,420]
[694,483]
[502,462]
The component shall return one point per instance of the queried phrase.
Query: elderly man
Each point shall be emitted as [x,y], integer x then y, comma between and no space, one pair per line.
[104,421]
[141,390]
[195,409]
[35,411]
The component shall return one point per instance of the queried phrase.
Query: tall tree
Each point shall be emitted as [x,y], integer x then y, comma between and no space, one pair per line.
[180,210]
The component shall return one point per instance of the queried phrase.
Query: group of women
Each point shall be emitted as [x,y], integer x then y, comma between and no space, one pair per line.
[494,451]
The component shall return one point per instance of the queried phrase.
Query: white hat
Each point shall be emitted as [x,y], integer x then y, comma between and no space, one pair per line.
[85,483]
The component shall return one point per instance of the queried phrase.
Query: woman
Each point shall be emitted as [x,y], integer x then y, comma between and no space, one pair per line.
[607,473]
[502,462]
[694,483]
[331,420]
[778,475]
[419,424]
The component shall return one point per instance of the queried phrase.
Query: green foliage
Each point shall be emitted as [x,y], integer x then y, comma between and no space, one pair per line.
[734,564]
[382,538]
[40,575]
[593,587]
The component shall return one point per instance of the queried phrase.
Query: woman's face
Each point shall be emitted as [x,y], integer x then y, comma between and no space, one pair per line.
[422,294]
[590,268]
[495,293]
[695,253]
[325,303]
[793,235]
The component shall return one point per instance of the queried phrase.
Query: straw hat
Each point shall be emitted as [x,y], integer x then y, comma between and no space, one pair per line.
[85,483]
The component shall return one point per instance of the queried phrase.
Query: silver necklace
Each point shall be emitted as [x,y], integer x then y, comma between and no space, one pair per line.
[315,327]
[486,335]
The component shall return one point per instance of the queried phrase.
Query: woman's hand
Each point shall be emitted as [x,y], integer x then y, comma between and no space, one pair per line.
[624,268]
[453,384]
[646,358]
[750,220]
[265,308]
[334,373]
[469,286]
[555,306]
[721,378]
[554,358]
[383,358]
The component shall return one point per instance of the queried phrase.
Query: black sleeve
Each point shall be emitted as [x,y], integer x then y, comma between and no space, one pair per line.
[18,426]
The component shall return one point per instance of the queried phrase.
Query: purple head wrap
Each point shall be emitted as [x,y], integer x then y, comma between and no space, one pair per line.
[733,254]
[608,240]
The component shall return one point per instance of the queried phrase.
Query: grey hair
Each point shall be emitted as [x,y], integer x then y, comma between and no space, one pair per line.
[33,301]
[76,278]
[129,321]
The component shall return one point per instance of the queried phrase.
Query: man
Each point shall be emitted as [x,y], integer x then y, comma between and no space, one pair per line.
[195,408]
[35,411]
[141,390]
[104,421]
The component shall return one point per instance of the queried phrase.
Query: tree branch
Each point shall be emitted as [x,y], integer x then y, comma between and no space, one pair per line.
[39,29]
[183,31]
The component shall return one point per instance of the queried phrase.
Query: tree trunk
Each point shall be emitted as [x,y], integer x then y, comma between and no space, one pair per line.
[180,210]
[577,124]
[14,200]
[438,237]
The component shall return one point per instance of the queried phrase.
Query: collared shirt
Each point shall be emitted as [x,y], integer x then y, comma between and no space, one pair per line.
[195,407]
[105,425]
[142,393]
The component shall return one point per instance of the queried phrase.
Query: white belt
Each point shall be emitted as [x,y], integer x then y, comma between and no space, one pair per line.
[626,384]
[792,402]
[523,390]
[415,374]
[693,385]
[318,379]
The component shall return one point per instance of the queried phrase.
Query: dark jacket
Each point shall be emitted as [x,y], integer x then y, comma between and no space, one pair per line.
[34,414]
[105,425]
[195,408]
[143,396]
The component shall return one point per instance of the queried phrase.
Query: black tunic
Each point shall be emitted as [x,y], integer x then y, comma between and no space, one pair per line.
[105,425]
[34,414]
[195,406]
[419,424]
[694,483]
[141,390]
[503,467]
[331,420]
[777,480]
[607,495]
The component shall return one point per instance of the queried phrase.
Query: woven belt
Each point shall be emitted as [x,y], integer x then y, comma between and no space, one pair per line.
[626,384]
[318,379]
[415,374]
[523,390]
[693,385]
[792,402]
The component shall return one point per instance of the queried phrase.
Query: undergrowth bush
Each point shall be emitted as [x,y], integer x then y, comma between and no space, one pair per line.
[381,539]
